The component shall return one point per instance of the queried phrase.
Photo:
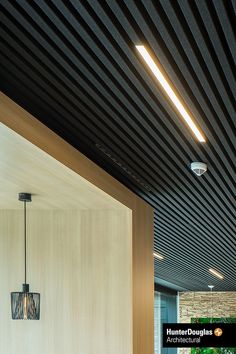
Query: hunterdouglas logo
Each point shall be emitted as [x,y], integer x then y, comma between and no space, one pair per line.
[216,335]
[189,332]
[218,332]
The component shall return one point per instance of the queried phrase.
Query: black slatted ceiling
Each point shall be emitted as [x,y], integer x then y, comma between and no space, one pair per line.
[73,64]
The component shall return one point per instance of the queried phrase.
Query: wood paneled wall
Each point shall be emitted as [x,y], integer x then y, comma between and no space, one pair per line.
[27,126]
[80,262]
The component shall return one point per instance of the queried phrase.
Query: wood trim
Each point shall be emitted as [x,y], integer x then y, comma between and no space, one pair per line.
[143,276]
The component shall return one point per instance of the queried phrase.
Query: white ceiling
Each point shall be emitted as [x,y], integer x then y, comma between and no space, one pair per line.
[26,168]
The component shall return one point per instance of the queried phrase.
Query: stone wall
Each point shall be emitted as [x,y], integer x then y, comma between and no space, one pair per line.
[205,304]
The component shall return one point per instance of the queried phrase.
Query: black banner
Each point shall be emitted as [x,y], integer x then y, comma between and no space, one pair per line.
[221,335]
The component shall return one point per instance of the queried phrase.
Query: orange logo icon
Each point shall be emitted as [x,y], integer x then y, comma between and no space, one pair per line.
[218,332]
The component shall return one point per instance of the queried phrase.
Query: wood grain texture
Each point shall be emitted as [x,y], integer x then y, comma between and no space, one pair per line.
[143,284]
[27,126]
[25,167]
[85,286]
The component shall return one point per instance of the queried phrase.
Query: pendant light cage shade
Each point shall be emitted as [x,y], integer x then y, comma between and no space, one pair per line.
[25,306]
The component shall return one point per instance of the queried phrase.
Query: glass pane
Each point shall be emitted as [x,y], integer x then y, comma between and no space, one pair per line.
[165,311]
[157,323]
[168,315]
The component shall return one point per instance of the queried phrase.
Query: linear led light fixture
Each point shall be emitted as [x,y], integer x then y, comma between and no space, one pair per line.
[156,69]
[158,256]
[217,274]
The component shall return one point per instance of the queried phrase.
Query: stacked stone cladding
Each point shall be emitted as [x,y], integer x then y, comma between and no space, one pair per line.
[205,304]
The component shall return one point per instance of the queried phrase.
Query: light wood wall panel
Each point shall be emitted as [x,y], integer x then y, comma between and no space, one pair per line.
[27,126]
[80,262]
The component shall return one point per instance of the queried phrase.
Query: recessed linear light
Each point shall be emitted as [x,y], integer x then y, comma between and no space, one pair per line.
[217,274]
[158,256]
[166,86]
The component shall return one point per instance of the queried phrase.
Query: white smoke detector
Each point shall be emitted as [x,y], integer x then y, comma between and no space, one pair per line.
[198,168]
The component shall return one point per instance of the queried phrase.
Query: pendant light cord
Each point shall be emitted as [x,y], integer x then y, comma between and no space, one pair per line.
[25,235]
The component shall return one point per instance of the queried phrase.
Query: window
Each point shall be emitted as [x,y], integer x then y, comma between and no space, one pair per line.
[165,311]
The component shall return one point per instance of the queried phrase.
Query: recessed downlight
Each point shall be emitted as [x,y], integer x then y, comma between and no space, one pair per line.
[215,273]
[157,71]
[158,256]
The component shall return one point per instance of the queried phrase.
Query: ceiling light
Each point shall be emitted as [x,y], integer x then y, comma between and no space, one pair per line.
[157,71]
[211,286]
[24,304]
[157,255]
[217,274]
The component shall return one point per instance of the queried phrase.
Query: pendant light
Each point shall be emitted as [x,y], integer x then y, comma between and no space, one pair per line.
[25,305]
[211,288]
